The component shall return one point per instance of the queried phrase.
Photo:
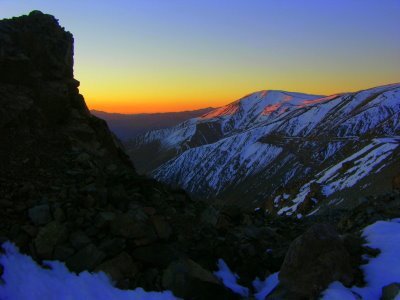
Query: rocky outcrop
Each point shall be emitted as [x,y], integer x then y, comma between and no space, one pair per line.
[68,191]
[391,291]
[313,261]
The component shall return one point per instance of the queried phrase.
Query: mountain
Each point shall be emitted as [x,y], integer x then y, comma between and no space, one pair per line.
[287,152]
[128,126]
[73,204]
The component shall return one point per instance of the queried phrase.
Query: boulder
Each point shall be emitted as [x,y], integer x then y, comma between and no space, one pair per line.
[103,219]
[160,255]
[162,227]
[391,291]
[313,261]
[187,279]
[112,246]
[79,240]
[59,214]
[85,259]
[48,237]
[40,214]
[119,267]
[126,226]
[210,216]
[62,252]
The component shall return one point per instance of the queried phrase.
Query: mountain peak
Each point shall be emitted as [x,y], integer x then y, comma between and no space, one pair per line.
[262,103]
[35,46]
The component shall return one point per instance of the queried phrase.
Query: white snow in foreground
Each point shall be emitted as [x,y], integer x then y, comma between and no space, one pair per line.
[26,280]
[379,271]
[264,288]
[229,279]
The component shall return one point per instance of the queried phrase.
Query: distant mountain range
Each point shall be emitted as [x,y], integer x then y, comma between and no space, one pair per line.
[288,152]
[128,126]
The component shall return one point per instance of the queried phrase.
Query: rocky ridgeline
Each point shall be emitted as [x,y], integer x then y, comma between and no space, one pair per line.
[68,192]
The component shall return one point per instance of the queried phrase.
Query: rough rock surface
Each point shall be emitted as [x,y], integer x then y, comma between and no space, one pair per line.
[391,291]
[314,260]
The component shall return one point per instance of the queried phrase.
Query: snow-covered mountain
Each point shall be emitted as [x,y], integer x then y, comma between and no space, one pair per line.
[287,150]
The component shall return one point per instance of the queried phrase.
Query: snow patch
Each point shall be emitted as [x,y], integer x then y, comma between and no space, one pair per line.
[379,271]
[229,279]
[26,280]
[264,288]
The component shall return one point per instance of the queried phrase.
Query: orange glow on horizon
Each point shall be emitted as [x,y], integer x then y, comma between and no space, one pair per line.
[174,103]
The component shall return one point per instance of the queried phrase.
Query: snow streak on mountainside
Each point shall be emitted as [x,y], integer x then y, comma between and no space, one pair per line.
[288,150]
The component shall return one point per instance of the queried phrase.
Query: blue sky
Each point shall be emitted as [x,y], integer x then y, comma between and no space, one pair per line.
[158,55]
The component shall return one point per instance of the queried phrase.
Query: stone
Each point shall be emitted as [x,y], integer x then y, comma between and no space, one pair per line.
[85,259]
[63,252]
[391,291]
[40,215]
[162,227]
[160,255]
[89,201]
[125,226]
[59,214]
[32,231]
[48,237]
[188,280]
[314,260]
[119,267]
[210,216]
[118,195]
[150,211]
[112,246]
[79,240]
[103,219]
[396,182]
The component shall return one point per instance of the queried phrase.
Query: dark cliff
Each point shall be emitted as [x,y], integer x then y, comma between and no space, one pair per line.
[68,191]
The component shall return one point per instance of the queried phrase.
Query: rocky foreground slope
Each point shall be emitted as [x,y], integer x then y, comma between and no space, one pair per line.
[288,152]
[69,193]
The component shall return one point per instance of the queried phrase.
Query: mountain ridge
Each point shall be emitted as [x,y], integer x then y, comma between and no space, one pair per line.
[257,135]
[128,126]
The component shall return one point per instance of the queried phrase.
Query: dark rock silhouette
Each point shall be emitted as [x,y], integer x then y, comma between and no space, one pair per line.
[314,260]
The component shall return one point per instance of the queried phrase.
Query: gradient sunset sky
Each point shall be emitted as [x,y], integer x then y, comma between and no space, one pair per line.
[136,56]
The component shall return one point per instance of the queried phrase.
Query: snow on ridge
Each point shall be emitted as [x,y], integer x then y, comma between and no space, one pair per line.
[276,118]
[192,167]
[361,164]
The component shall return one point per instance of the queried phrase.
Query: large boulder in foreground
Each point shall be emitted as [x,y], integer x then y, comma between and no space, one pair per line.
[187,279]
[313,261]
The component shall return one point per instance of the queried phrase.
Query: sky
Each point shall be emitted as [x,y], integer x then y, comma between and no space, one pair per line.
[134,56]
